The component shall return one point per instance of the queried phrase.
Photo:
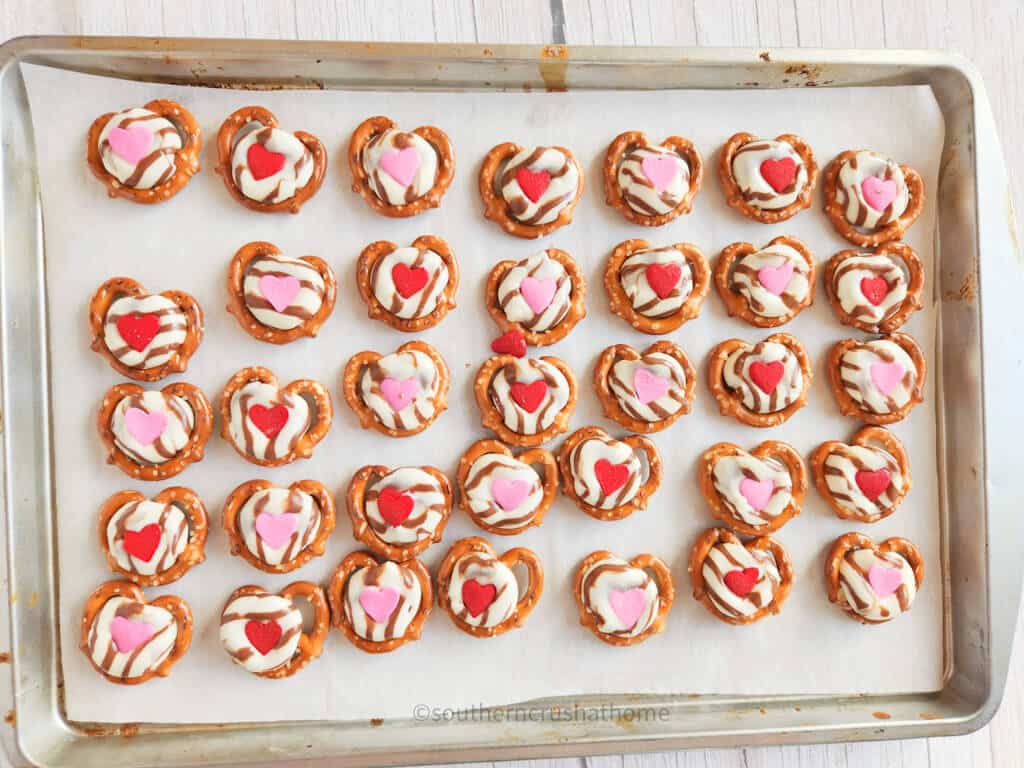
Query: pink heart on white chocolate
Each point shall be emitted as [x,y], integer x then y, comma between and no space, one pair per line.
[379,602]
[145,427]
[648,386]
[129,635]
[884,581]
[775,279]
[509,494]
[628,604]
[399,392]
[886,376]
[661,170]
[878,193]
[538,292]
[279,291]
[276,529]
[757,492]
[401,165]
[131,144]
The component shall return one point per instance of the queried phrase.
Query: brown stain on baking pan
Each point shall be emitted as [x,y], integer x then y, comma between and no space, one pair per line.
[10,718]
[930,716]
[764,56]
[881,715]
[5,658]
[376,722]
[33,599]
[968,290]
[553,67]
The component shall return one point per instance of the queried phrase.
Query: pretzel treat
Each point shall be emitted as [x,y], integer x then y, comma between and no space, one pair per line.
[398,513]
[278,298]
[870,199]
[145,154]
[656,290]
[400,173]
[479,590]
[767,180]
[502,493]
[400,394]
[129,639]
[263,632]
[266,168]
[541,296]
[865,480]
[410,288]
[873,583]
[144,336]
[651,184]
[623,603]
[153,542]
[877,381]
[526,401]
[278,529]
[753,493]
[766,287]
[271,425]
[645,391]
[380,606]
[530,192]
[608,479]
[740,583]
[760,384]
[875,291]
[153,435]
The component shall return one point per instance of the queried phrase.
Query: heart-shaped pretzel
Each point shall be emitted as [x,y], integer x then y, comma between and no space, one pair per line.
[621,304]
[186,159]
[237,425]
[472,553]
[739,198]
[421,291]
[226,143]
[616,197]
[714,594]
[270,530]
[575,307]
[602,488]
[388,602]
[871,595]
[624,604]
[141,545]
[750,490]
[746,291]
[730,402]
[879,381]
[192,450]
[397,508]
[856,489]
[162,322]
[498,508]
[102,644]
[366,134]
[858,286]
[351,388]
[310,644]
[645,410]
[297,272]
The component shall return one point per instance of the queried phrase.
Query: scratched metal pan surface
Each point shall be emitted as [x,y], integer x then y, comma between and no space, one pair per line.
[980,274]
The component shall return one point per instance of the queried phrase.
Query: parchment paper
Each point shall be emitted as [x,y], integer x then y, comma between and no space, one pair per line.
[811,647]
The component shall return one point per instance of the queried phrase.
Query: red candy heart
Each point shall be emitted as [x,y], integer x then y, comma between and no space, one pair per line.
[875,289]
[610,476]
[511,343]
[872,483]
[779,173]
[143,542]
[740,583]
[263,162]
[766,375]
[269,421]
[529,396]
[409,281]
[477,597]
[138,330]
[663,278]
[395,506]
[533,183]
[264,635]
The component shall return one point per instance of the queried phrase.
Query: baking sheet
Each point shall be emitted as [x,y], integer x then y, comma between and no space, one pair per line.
[187,243]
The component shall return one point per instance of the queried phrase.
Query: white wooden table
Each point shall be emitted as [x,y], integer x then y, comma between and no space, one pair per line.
[986,31]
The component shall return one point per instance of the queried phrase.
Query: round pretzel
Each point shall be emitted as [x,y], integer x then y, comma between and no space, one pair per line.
[899,252]
[849,407]
[630,140]
[855,541]
[736,304]
[734,195]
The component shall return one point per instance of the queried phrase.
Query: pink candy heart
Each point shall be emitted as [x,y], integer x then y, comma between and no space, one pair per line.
[145,427]
[757,492]
[279,291]
[129,635]
[399,392]
[628,604]
[276,529]
[660,170]
[401,165]
[538,293]
[775,279]
[648,386]
[131,144]
[878,193]
[886,376]
[379,602]
[509,494]
[884,581]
